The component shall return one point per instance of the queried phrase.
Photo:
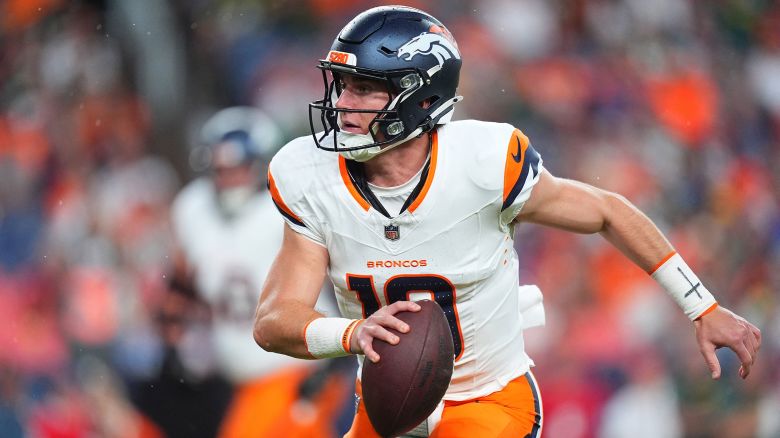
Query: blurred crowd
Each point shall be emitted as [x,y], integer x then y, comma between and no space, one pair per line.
[674,104]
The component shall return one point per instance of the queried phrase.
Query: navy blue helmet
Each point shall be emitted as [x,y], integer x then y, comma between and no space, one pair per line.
[412,53]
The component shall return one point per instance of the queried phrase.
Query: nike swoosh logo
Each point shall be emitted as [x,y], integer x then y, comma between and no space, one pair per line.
[517,156]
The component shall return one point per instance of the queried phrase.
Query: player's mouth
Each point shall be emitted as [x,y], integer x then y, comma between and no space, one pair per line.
[352,128]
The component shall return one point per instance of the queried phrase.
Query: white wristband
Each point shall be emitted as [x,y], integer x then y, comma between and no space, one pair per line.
[683,286]
[329,337]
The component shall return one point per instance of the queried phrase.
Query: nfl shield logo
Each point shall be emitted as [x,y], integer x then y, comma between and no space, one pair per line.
[392,232]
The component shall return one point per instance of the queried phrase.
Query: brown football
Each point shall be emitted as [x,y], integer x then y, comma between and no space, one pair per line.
[404,387]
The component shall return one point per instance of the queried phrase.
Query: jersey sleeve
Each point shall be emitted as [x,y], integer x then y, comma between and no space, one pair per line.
[522,168]
[288,196]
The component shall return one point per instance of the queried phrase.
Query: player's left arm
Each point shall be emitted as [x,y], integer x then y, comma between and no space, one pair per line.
[581,208]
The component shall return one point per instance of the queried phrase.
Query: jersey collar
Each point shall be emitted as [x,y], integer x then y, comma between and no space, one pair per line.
[354,179]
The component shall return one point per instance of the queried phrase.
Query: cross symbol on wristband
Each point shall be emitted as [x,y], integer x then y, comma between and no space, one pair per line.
[694,288]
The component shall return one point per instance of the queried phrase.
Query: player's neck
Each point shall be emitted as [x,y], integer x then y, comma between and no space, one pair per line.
[399,164]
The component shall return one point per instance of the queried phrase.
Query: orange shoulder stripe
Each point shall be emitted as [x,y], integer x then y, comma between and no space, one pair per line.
[277,198]
[351,187]
[515,159]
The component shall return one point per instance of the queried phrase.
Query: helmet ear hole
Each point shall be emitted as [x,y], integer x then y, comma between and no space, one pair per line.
[429,102]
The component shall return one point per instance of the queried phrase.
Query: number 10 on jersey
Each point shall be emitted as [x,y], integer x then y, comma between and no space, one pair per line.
[401,287]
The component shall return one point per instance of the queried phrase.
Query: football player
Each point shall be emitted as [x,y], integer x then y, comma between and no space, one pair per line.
[228,231]
[394,202]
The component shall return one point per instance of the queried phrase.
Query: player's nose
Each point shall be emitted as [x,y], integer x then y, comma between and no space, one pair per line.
[346,100]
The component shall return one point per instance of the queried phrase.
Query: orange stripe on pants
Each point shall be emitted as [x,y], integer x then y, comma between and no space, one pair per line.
[515,411]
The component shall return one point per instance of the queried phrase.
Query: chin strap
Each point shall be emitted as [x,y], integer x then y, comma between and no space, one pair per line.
[449,104]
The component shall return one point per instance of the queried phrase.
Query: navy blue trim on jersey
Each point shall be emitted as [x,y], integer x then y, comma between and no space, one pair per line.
[357,176]
[537,407]
[530,164]
[288,217]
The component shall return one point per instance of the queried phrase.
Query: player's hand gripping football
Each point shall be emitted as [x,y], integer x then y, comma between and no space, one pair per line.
[374,327]
[724,328]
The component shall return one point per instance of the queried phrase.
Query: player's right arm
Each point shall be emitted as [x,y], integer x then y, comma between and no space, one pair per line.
[289,295]
[286,306]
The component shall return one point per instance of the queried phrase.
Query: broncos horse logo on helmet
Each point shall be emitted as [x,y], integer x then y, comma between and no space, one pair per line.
[429,44]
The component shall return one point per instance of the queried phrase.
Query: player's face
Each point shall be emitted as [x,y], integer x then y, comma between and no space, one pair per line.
[228,174]
[360,93]
[230,177]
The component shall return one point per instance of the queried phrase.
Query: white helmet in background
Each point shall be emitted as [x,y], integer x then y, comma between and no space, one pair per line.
[236,145]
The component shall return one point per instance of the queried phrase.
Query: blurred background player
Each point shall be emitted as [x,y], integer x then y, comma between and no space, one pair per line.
[227,230]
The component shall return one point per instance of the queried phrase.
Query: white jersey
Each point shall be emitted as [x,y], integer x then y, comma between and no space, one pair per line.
[230,259]
[453,243]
